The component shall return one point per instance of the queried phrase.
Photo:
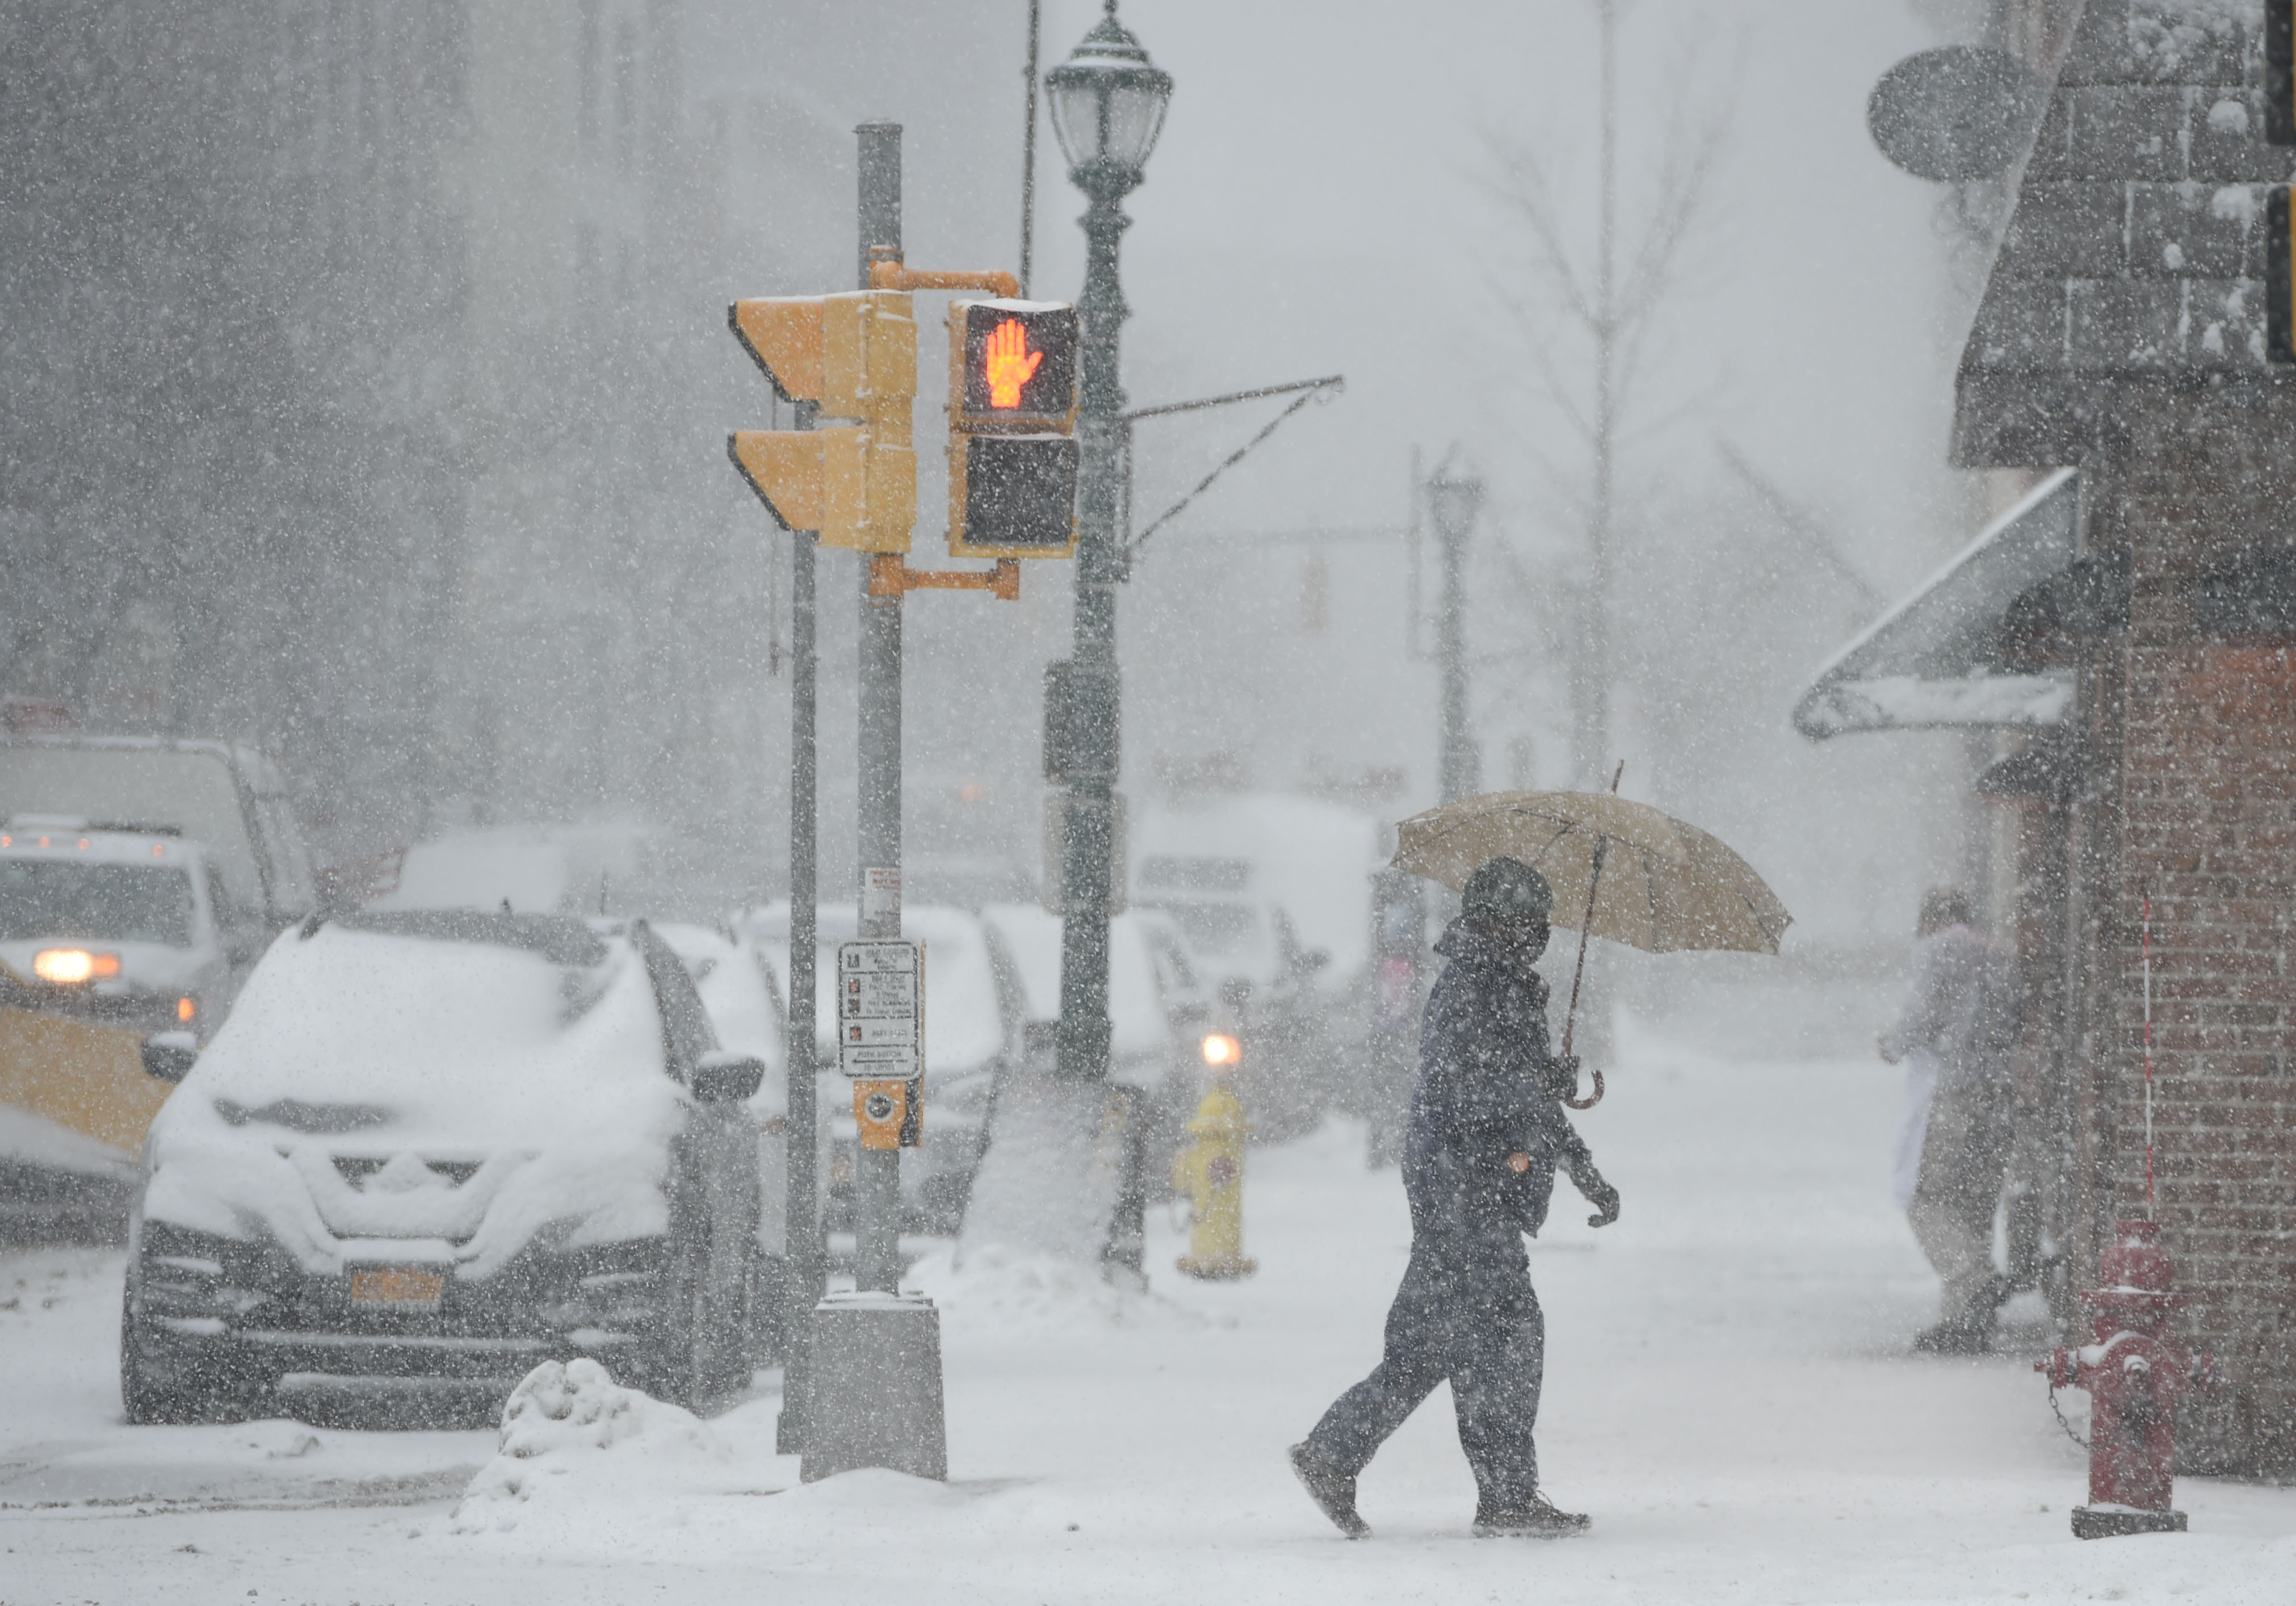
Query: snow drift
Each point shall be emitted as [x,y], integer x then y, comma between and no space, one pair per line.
[571,1433]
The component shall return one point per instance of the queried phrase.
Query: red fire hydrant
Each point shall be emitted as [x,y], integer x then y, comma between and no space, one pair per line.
[2136,1374]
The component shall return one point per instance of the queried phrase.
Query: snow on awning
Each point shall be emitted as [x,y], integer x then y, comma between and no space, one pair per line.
[1934,659]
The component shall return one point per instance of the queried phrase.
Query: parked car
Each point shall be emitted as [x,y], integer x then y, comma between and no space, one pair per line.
[973,1033]
[443,1145]
[740,988]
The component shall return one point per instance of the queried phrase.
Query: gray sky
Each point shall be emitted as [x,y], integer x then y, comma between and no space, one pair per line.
[1313,206]
[1317,204]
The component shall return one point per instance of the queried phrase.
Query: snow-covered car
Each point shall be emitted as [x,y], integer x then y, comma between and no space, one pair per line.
[972,1031]
[446,1146]
[112,924]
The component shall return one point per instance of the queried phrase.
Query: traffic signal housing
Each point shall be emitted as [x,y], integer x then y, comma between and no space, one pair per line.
[1013,456]
[854,483]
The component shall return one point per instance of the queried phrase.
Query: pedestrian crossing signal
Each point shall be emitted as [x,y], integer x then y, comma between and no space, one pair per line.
[1011,495]
[1011,413]
[1012,365]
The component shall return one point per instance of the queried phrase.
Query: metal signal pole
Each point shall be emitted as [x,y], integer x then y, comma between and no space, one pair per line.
[801,1234]
[877,1172]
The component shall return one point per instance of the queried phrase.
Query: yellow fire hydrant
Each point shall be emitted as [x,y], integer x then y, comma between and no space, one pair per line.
[1210,1172]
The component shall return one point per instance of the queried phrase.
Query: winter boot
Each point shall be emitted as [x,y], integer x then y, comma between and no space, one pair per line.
[1539,1519]
[1332,1491]
[1971,1331]
[1958,1336]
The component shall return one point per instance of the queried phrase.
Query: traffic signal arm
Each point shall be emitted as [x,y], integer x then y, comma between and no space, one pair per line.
[890,576]
[896,276]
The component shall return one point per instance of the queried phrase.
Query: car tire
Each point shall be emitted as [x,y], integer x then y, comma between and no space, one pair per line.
[701,1338]
[163,1384]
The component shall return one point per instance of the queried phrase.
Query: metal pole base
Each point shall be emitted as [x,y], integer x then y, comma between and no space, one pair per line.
[2109,1522]
[875,1395]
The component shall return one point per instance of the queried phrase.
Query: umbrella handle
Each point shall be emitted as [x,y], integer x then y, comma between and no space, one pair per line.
[1593,1099]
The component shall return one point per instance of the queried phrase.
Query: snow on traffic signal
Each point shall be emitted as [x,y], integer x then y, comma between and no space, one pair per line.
[1012,411]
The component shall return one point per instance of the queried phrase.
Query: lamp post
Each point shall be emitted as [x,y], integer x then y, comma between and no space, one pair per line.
[1454,499]
[1107,104]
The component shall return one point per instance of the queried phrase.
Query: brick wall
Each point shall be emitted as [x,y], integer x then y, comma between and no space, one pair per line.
[2196,739]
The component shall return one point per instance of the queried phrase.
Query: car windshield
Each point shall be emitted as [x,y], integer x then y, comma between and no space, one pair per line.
[93,902]
[1215,928]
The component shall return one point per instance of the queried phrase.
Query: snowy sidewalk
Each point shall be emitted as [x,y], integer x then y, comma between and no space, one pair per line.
[1726,1393]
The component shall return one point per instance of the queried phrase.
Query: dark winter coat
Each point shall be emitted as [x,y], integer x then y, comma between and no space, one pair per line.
[1488,1087]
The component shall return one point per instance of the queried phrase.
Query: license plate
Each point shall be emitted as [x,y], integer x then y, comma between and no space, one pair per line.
[398,1287]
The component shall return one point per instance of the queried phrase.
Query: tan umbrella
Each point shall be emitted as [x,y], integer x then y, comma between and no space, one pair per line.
[1619,869]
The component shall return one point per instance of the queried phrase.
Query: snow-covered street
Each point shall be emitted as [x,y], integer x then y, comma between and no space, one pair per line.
[1726,1393]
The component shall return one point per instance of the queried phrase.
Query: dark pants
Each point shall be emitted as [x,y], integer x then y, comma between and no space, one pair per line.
[1466,1312]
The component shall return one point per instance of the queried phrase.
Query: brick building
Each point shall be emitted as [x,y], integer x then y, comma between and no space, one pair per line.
[2128,635]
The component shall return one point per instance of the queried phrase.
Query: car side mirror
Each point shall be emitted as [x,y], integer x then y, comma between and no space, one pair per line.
[722,1077]
[168,1056]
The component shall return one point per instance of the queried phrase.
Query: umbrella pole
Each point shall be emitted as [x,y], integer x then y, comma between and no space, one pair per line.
[1578,971]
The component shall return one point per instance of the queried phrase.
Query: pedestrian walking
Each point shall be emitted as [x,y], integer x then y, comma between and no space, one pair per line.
[1962,1012]
[1486,1136]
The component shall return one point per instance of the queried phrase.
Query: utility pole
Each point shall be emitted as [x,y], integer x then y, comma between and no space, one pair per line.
[877,1172]
[1454,499]
[1591,697]
[802,1235]
[1029,150]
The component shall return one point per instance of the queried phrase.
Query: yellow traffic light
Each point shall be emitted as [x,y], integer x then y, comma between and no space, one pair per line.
[856,354]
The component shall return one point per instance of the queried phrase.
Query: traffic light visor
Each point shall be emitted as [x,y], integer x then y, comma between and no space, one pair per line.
[1017,363]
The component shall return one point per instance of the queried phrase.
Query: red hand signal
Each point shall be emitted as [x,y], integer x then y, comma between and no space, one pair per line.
[1009,363]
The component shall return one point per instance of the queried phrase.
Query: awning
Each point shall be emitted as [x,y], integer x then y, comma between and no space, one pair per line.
[1935,658]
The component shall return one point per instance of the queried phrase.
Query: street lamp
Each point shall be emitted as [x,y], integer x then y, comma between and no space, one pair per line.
[1454,499]
[1107,102]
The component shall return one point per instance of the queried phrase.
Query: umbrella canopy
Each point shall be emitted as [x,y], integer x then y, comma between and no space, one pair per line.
[1665,886]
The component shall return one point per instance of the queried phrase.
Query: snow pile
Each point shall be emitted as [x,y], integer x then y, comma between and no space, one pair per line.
[997,1289]
[571,1433]
[2168,36]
